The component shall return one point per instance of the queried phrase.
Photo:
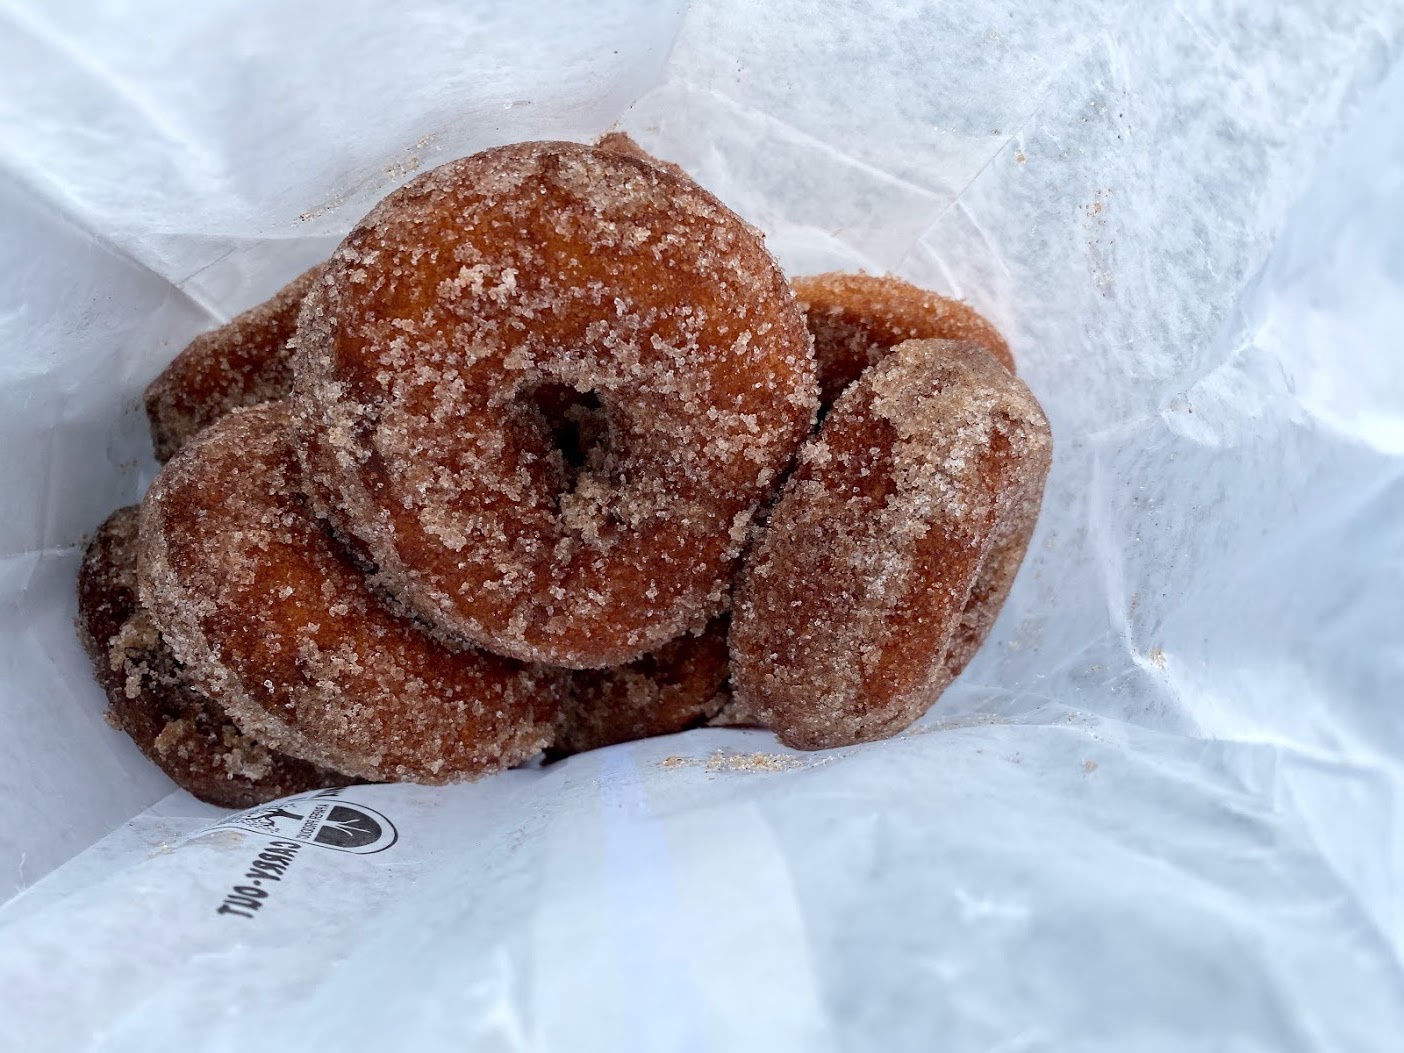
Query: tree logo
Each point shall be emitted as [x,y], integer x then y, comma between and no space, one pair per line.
[319,819]
[349,829]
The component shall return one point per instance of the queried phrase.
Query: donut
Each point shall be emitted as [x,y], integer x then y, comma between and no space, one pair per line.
[242,363]
[274,622]
[466,292]
[247,360]
[679,686]
[185,732]
[855,319]
[846,611]
[622,143]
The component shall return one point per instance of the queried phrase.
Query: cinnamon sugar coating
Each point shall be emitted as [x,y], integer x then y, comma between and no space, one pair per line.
[679,686]
[846,613]
[521,268]
[244,362]
[857,318]
[991,589]
[734,713]
[185,732]
[270,619]
[623,143]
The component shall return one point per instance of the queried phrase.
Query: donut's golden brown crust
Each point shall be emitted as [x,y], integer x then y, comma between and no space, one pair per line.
[845,615]
[274,622]
[528,266]
[991,589]
[679,686]
[856,319]
[244,362]
[623,143]
[186,733]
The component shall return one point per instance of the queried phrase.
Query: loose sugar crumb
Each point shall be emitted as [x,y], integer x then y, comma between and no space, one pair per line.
[755,762]
[749,763]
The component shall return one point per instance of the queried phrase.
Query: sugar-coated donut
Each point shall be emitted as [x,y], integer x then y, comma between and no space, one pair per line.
[275,623]
[244,362]
[679,686]
[846,612]
[185,732]
[855,319]
[525,267]
[623,143]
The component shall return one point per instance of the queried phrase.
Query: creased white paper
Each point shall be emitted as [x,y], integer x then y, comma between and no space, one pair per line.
[1157,812]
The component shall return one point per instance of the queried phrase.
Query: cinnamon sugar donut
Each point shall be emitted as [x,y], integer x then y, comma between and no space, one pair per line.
[679,686]
[248,360]
[273,622]
[623,143]
[242,363]
[846,612]
[182,730]
[489,278]
[855,319]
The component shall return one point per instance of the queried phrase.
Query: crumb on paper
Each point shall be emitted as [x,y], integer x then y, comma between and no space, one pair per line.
[322,210]
[1157,658]
[754,762]
[1099,203]
[741,762]
[1089,766]
[1020,157]
[403,168]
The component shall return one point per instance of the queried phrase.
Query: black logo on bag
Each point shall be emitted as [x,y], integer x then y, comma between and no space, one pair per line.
[320,819]
[348,828]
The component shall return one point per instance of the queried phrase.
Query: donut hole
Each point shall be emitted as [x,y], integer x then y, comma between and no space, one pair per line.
[575,427]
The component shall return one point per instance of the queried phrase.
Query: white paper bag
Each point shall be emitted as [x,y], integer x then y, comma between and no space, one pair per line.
[1157,812]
